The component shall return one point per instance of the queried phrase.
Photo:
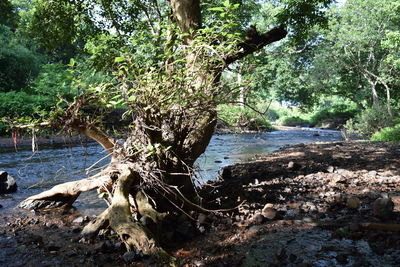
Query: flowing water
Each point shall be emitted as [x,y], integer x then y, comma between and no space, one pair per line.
[36,172]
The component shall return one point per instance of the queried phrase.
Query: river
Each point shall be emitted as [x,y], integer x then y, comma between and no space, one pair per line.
[38,171]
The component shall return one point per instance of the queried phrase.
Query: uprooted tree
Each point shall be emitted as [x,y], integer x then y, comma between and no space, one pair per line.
[169,83]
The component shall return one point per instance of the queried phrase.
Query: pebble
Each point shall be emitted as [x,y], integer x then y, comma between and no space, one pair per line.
[383,208]
[269,213]
[293,166]
[78,220]
[254,229]
[330,169]
[353,203]
[257,218]
[130,256]
[201,218]
[268,205]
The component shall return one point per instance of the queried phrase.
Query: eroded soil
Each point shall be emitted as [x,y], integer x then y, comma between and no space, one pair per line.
[306,205]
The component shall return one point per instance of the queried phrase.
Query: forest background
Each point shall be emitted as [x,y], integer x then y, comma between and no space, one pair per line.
[346,75]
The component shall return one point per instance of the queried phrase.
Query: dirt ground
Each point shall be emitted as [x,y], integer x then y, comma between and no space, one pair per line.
[327,204]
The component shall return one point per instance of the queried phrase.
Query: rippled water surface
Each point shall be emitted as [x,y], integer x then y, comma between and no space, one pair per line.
[35,172]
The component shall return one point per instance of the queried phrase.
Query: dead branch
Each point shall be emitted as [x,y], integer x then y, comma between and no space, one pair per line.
[65,194]
[255,41]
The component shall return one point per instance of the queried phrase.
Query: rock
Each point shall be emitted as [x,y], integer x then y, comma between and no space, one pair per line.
[7,183]
[201,218]
[383,208]
[330,169]
[130,257]
[293,166]
[269,213]
[396,201]
[268,205]
[256,218]
[1,206]
[353,203]
[199,263]
[78,220]
[254,229]
[100,247]
[338,179]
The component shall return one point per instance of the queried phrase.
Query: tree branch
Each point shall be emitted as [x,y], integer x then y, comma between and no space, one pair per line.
[255,41]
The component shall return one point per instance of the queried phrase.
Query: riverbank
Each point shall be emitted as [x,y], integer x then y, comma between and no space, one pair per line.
[305,205]
[48,140]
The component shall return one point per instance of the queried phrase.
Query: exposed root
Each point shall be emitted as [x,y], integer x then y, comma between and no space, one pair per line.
[119,217]
[65,194]
[100,222]
[146,209]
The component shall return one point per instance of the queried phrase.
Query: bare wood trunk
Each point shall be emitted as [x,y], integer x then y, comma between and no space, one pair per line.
[119,217]
[63,195]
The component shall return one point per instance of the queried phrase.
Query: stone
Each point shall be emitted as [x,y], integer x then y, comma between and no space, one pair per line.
[293,166]
[353,203]
[7,183]
[78,220]
[254,229]
[396,201]
[383,208]
[269,213]
[201,218]
[257,218]
[130,257]
[330,169]
[268,205]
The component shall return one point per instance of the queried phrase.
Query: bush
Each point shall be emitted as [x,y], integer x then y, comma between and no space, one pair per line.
[369,121]
[243,117]
[387,134]
[334,113]
[294,121]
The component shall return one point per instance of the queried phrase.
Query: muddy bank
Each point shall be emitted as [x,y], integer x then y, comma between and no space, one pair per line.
[306,205]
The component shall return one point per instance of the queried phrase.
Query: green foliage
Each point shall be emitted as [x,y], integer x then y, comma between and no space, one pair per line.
[243,118]
[294,121]
[22,104]
[301,16]
[388,134]
[8,14]
[18,64]
[337,112]
[369,121]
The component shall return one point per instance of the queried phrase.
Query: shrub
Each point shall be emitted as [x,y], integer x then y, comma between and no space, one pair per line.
[369,121]
[339,113]
[243,117]
[387,134]
[294,121]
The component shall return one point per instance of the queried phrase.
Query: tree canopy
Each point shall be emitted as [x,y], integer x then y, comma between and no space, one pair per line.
[168,65]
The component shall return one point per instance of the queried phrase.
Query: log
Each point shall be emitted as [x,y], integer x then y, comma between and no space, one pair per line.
[64,195]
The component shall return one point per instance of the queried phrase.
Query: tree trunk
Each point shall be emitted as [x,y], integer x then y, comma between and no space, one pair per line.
[150,175]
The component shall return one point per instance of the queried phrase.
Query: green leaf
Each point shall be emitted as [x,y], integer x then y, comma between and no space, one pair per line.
[119,59]
[132,98]
[71,62]
[220,9]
